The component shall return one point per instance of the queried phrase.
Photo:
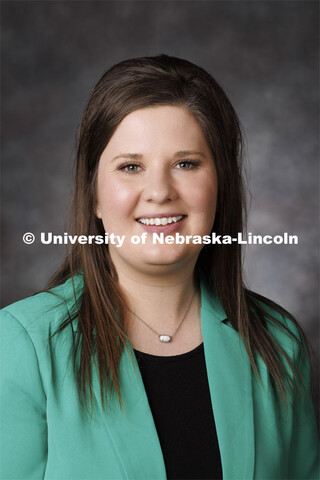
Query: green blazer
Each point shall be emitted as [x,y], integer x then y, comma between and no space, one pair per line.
[45,435]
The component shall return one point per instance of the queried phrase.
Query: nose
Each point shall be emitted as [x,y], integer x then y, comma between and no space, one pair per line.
[159,187]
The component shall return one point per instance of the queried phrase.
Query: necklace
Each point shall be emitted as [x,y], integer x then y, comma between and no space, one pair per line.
[162,337]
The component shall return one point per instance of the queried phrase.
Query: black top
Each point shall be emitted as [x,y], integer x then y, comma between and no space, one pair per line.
[179,397]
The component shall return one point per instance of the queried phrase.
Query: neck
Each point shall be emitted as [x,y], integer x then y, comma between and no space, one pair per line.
[161,297]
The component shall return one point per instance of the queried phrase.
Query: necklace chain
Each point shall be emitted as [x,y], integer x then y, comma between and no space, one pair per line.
[163,337]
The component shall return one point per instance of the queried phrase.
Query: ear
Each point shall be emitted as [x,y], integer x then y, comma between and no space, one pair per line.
[97,212]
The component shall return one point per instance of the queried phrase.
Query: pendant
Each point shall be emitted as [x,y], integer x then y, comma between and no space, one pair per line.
[165,338]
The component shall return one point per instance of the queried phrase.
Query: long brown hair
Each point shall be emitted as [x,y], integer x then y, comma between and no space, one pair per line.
[101,312]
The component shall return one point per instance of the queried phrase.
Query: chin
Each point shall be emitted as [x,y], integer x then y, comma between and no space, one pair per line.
[163,263]
[159,269]
[162,258]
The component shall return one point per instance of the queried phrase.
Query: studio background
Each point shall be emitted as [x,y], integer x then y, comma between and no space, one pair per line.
[263,53]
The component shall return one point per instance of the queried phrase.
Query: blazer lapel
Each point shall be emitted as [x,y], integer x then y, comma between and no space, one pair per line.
[132,428]
[230,383]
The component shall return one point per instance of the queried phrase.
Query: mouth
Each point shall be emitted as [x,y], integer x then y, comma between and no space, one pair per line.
[160,220]
[162,223]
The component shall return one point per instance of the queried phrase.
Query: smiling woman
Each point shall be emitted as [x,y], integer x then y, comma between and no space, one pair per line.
[152,360]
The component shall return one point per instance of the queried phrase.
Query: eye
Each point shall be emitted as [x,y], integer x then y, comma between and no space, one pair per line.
[129,168]
[187,164]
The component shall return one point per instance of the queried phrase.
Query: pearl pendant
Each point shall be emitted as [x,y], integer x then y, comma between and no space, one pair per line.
[165,338]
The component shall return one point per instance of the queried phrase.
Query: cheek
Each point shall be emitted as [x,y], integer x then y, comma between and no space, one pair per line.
[204,198]
[115,197]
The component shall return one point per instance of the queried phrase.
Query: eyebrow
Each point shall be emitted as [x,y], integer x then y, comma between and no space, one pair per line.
[180,154]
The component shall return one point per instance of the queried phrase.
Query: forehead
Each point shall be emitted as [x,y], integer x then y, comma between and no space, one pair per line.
[157,128]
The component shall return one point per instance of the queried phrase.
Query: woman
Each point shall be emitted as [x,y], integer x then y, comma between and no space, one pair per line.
[152,360]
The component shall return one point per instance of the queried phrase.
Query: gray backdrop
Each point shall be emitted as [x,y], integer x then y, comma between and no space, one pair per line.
[265,55]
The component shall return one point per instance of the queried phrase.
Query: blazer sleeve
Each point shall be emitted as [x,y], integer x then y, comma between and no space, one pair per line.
[304,446]
[23,431]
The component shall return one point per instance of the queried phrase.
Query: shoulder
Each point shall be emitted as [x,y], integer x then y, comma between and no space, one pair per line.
[43,311]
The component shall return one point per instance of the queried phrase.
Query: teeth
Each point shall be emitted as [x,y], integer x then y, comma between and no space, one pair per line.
[160,221]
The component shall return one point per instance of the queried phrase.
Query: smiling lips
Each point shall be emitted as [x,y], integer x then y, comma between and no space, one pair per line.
[161,222]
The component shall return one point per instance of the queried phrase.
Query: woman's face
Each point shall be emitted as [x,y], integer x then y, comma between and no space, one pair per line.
[157,165]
